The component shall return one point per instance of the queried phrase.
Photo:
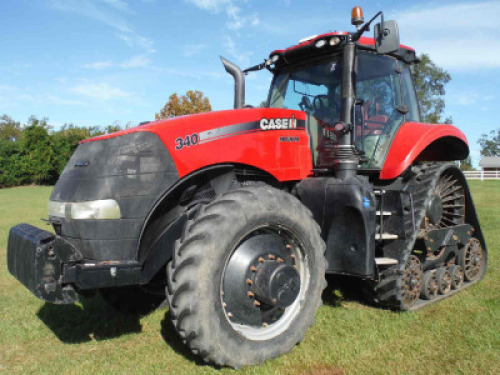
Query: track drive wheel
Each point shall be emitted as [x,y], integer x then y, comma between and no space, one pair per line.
[247,276]
[131,300]
[430,287]
[472,259]
[412,281]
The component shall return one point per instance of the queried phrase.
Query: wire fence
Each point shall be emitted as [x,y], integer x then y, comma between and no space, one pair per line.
[482,175]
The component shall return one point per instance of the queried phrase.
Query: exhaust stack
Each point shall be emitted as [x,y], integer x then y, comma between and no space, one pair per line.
[239,82]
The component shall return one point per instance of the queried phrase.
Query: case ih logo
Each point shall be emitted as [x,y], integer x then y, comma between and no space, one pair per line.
[278,123]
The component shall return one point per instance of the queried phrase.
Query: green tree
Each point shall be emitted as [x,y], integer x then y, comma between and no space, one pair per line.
[490,144]
[37,154]
[430,81]
[9,129]
[466,164]
[189,104]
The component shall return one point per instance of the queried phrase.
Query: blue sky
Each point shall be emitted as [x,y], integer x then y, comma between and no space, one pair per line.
[97,62]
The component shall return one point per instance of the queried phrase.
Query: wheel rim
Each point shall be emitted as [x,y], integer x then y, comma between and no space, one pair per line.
[264,282]
[444,281]
[457,277]
[473,260]
[431,285]
[446,206]
[412,281]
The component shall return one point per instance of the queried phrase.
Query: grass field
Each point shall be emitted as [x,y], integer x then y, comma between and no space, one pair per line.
[460,335]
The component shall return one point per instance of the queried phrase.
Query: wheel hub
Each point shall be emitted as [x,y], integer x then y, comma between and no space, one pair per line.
[435,209]
[276,284]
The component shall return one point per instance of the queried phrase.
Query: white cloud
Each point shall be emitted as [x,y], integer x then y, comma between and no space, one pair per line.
[235,20]
[193,49]
[111,16]
[232,49]
[466,99]
[459,36]
[137,41]
[91,10]
[98,65]
[101,91]
[134,62]
[119,4]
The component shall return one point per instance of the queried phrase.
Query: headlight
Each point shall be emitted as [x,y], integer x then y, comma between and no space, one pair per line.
[105,209]
[57,209]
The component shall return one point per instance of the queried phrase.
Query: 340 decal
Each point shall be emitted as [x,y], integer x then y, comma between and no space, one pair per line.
[189,140]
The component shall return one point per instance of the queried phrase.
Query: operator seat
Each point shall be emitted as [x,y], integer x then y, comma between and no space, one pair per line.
[374,121]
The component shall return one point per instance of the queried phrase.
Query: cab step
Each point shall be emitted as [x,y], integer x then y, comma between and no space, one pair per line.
[386,261]
[386,236]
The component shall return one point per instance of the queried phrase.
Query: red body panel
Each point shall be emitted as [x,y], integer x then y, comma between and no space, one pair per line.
[264,149]
[363,40]
[413,138]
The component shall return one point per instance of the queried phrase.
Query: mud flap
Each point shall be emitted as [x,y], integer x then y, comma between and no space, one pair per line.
[35,257]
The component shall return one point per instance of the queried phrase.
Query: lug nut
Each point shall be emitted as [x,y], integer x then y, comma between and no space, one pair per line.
[229,315]
[253,268]
[288,246]
[224,304]
[292,256]
[271,256]
[279,260]
[256,303]
[264,324]
[250,294]
[261,260]
[249,282]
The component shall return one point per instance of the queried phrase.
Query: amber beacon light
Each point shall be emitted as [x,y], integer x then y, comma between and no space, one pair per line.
[357,18]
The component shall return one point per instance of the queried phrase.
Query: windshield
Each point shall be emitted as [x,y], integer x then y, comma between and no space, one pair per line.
[314,89]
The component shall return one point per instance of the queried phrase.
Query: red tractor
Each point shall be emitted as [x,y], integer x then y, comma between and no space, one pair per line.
[234,217]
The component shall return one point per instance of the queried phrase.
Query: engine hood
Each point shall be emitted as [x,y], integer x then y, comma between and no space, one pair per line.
[247,136]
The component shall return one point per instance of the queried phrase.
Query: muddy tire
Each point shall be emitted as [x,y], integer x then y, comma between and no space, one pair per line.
[246,277]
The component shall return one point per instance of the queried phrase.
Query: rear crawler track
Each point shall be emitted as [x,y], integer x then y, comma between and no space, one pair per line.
[435,240]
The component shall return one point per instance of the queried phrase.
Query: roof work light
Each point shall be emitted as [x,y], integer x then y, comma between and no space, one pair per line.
[357,18]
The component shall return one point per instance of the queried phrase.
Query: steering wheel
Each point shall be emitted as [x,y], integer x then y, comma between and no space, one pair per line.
[305,104]
[318,102]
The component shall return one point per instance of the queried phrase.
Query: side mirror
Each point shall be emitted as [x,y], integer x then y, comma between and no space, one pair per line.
[386,40]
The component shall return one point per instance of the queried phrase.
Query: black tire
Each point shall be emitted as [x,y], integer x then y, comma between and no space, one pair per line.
[196,275]
[131,300]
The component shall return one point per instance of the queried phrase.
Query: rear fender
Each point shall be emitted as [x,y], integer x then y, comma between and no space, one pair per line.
[423,142]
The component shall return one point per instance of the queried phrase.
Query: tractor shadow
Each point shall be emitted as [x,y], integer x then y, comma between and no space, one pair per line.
[172,338]
[342,289]
[90,320]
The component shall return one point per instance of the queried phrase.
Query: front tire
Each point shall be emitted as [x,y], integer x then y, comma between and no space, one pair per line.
[247,276]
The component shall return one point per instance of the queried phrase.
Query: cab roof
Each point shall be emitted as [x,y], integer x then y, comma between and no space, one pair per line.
[406,53]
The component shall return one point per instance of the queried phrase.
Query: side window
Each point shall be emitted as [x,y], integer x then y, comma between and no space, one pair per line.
[379,86]
[410,96]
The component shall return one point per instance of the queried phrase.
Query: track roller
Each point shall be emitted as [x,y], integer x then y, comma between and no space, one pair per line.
[443,277]
[430,288]
[457,277]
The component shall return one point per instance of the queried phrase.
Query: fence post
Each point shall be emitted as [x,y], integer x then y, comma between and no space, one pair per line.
[482,174]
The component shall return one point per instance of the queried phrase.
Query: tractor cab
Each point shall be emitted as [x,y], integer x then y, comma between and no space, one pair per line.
[312,81]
